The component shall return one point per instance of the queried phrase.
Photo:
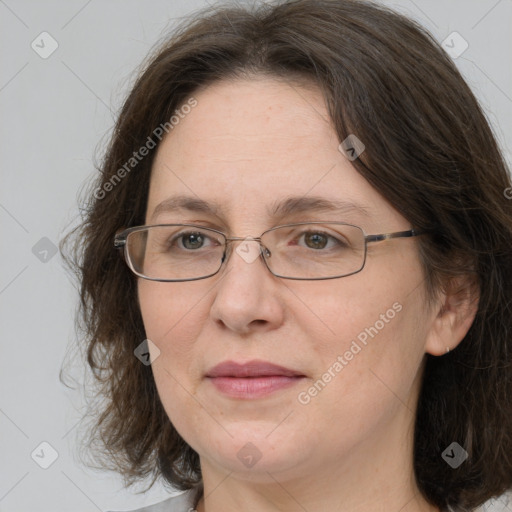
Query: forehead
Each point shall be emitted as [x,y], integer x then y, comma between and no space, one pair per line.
[248,144]
[255,119]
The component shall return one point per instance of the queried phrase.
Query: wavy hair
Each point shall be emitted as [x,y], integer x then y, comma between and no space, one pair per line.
[429,151]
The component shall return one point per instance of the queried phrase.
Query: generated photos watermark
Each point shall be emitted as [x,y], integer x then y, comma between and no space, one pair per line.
[352,147]
[147,352]
[143,151]
[341,361]
[454,455]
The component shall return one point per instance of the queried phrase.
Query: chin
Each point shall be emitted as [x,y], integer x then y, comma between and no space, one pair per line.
[252,455]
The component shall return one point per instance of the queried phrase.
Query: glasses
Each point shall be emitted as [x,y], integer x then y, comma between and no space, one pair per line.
[303,251]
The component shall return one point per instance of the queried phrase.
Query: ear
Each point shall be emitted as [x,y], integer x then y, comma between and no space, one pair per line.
[453,314]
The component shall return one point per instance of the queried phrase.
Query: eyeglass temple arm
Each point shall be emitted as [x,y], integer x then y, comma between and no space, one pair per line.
[119,241]
[396,234]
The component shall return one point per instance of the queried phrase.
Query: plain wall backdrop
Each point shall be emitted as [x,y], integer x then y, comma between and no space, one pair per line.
[65,69]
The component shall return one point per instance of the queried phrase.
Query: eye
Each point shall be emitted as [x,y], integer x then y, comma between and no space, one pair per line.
[320,240]
[193,240]
[166,242]
[316,240]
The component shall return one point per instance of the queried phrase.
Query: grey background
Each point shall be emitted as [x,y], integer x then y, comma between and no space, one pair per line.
[54,112]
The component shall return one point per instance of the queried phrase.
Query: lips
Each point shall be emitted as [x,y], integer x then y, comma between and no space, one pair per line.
[251,380]
[255,368]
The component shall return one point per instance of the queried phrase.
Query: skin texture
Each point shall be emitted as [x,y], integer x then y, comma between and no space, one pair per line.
[246,145]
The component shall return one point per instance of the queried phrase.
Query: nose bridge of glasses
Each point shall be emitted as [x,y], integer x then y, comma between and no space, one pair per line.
[250,248]
[246,238]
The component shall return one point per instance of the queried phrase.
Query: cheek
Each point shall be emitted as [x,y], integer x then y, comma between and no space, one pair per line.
[365,373]
[173,315]
[369,335]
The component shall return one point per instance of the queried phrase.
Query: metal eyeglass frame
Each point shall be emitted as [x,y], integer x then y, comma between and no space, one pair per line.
[120,243]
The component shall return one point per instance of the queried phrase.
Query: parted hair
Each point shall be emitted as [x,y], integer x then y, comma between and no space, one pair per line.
[429,151]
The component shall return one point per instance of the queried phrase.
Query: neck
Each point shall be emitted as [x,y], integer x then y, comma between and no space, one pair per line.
[375,476]
[240,496]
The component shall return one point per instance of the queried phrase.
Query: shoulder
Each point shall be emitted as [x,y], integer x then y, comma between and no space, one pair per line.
[184,502]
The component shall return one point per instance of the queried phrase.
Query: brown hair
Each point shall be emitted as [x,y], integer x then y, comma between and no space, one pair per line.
[429,151]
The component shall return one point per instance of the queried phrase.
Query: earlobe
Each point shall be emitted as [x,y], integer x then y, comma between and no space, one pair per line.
[453,315]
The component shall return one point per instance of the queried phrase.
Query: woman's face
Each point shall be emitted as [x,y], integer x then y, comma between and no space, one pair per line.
[357,342]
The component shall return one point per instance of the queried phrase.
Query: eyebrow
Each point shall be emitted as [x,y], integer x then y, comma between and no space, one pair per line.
[283,208]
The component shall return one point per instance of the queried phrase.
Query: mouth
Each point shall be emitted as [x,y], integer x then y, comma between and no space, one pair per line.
[253,379]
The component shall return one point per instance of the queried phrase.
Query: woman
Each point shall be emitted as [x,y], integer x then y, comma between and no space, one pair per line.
[314,307]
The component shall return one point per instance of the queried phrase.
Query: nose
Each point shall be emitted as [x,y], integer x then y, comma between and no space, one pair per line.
[247,296]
